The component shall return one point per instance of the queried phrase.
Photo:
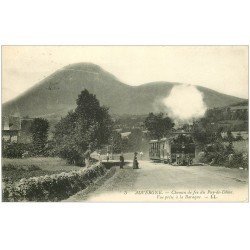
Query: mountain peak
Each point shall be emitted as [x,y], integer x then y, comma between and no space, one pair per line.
[89,68]
[83,66]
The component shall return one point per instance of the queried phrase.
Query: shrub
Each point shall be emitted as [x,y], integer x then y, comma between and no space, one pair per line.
[13,149]
[54,187]
[50,149]
[237,160]
[217,153]
[214,154]
[71,156]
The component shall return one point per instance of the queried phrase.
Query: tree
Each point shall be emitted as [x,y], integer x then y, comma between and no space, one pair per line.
[158,125]
[116,142]
[83,130]
[230,137]
[135,140]
[39,130]
[205,132]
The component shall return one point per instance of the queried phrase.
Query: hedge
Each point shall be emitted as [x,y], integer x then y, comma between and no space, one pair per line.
[53,187]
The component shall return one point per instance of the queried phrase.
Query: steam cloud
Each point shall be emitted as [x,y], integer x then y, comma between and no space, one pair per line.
[184,103]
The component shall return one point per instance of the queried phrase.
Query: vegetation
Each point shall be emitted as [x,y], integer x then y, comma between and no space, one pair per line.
[158,125]
[219,150]
[225,155]
[51,188]
[216,153]
[128,122]
[228,119]
[12,173]
[39,145]
[238,160]
[217,114]
[116,142]
[89,127]
[85,129]
[241,146]
[39,130]
[16,169]
[13,149]
[135,141]
[45,163]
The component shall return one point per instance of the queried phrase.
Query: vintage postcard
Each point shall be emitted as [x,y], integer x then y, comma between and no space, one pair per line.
[125,124]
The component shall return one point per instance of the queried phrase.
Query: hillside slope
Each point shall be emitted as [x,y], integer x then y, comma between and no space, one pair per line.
[56,95]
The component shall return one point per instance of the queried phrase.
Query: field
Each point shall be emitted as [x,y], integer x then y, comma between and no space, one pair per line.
[16,169]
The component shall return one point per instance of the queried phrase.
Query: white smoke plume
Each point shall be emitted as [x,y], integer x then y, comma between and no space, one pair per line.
[184,103]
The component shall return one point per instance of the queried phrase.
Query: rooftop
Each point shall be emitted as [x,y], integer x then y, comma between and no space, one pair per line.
[11,123]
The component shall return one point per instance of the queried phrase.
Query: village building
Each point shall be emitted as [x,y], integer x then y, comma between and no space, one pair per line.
[125,135]
[241,108]
[11,127]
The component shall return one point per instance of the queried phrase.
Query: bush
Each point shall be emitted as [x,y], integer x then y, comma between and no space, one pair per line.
[51,188]
[71,156]
[50,149]
[12,149]
[224,155]
[214,154]
[237,160]
[217,153]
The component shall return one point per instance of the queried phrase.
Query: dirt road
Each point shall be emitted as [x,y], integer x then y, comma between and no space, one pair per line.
[166,183]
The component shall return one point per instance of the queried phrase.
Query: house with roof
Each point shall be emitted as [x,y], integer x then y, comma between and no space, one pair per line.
[125,135]
[11,127]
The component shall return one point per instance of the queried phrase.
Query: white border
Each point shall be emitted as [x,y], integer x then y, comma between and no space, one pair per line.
[124,226]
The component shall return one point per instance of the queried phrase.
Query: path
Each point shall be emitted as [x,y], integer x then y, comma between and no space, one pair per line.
[152,179]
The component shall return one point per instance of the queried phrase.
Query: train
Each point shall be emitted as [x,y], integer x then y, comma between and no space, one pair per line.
[176,149]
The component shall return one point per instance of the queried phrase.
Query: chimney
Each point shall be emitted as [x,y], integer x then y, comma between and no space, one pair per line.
[6,125]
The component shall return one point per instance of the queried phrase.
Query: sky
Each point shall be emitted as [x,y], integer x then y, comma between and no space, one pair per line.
[221,68]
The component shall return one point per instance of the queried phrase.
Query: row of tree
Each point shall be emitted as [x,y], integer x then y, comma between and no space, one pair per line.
[221,114]
[88,128]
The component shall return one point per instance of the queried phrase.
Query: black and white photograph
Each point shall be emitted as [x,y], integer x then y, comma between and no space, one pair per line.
[124,123]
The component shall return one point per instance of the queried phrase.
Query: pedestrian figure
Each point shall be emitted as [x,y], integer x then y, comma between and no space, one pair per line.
[121,161]
[177,159]
[169,159]
[141,155]
[135,162]
[107,156]
[188,160]
[87,158]
[99,156]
